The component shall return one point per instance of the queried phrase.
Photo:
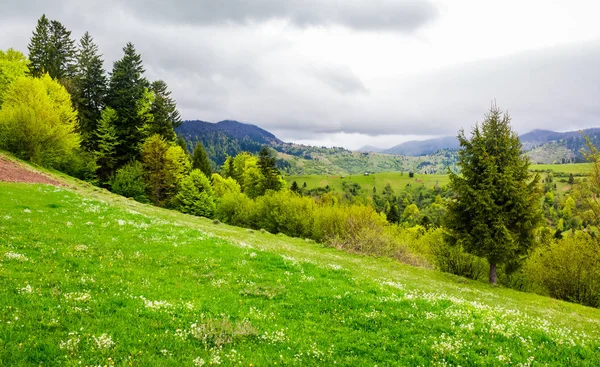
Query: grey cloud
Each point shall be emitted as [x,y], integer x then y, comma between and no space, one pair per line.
[400,15]
[341,79]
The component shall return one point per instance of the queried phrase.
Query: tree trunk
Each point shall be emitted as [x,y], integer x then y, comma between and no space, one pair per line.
[493,274]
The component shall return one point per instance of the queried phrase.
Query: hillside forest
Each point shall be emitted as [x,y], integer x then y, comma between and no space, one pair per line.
[491,218]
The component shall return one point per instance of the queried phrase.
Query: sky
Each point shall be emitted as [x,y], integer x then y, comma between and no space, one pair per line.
[350,72]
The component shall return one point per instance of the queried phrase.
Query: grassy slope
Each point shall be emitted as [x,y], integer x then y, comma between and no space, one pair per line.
[167,289]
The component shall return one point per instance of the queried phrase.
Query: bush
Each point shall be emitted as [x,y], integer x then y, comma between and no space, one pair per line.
[195,195]
[237,209]
[129,182]
[568,269]
[286,212]
[454,260]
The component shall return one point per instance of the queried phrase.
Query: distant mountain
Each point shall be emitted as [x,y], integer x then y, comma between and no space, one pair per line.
[423,147]
[370,149]
[225,138]
[228,138]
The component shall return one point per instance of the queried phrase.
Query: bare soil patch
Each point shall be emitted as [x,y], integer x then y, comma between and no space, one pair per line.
[11,171]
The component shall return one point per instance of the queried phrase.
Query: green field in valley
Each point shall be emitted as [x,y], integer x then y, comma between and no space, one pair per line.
[397,181]
[91,278]
[574,168]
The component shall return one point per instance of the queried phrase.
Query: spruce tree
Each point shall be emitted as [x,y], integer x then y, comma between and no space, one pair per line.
[39,48]
[497,200]
[52,51]
[200,160]
[164,110]
[90,87]
[268,168]
[62,53]
[127,88]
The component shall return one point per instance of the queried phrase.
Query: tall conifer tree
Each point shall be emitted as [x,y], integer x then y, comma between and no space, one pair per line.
[90,86]
[127,88]
[39,47]
[164,110]
[200,160]
[497,202]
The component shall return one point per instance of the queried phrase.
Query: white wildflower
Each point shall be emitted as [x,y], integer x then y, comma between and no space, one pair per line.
[15,256]
[199,362]
[104,341]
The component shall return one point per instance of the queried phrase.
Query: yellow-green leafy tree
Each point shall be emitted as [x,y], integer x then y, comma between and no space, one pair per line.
[38,122]
[13,64]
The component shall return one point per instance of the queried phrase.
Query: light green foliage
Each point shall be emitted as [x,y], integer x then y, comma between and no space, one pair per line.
[195,195]
[13,65]
[237,209]
[497,205]
[285,212]
[568,269]
[411,213]
[129,182]
[165,165]
[224,186]
[37,121]
[145,116]
[106,142]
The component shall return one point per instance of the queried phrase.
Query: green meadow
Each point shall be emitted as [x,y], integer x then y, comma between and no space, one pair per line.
[397,180]
[91,278]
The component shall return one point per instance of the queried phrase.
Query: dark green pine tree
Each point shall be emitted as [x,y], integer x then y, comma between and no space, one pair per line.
[295,188]
[62,53]
[52,51]
[89,92]
[126,90]
[268,168]
[39,48]
[200,160]
[164,110]
[497,200]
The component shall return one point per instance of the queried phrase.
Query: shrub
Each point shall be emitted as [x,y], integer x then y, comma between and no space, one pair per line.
[129,182]
[454,260]
[236,209]
[568,269]
[195,195]
[224,186]
[286,212]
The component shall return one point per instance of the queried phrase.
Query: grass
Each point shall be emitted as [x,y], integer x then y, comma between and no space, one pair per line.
[581,169]
[90,278]
[397,180]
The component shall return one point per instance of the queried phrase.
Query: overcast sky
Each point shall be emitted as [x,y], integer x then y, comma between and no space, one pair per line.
[350,72]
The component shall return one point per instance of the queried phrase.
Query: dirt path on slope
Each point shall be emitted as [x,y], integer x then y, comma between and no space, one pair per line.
[11,171]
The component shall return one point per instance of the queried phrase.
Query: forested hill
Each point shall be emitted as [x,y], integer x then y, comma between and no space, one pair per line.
[225,138]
